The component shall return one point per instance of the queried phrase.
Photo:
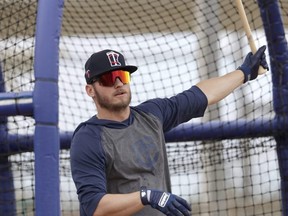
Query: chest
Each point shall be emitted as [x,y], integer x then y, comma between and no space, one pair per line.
[139,147]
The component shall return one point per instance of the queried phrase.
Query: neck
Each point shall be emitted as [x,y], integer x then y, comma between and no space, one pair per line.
[114,115]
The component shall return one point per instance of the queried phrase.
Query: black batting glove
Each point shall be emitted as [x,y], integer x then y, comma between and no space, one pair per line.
[167,203]
[252,62]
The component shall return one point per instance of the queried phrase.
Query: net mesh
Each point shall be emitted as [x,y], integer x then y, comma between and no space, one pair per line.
[175,44]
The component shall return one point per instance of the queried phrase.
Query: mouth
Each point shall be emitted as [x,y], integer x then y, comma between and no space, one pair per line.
[120,93]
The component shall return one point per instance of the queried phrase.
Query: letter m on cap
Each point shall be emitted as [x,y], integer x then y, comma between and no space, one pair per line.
[113,58]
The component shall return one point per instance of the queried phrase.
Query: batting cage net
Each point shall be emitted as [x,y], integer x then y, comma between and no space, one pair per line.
[175,44]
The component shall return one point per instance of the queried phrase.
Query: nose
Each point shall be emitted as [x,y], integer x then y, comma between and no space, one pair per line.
[118,83]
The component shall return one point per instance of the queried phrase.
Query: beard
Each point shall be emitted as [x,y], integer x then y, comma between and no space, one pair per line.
[105,103]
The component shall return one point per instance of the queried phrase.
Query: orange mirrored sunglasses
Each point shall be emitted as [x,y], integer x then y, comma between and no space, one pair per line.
[108,79]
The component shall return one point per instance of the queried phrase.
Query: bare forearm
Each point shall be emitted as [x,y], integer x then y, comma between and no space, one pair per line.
[218,88]
[119,204]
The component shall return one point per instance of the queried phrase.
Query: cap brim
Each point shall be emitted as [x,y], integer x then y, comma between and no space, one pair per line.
[129,68]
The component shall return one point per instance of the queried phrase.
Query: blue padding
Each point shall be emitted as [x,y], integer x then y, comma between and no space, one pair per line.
[216,130]
[7,198]
[47,178]
[46,108]
[278,50]
[46,142]
[12,104]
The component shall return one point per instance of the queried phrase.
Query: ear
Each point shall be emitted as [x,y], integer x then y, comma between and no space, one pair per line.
[90,90]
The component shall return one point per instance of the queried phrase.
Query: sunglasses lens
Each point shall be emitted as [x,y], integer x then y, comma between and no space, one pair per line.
[109,79]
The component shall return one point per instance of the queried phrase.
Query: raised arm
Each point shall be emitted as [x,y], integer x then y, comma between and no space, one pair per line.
[218,88]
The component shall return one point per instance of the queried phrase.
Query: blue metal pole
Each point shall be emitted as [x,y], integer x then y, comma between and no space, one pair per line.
[7,195]
[278,51]
[46,140]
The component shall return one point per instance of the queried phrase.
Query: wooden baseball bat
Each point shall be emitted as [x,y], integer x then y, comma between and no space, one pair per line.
[248,32]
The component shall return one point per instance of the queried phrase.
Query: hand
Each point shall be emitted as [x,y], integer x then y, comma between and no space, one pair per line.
[165,202]
[252,62]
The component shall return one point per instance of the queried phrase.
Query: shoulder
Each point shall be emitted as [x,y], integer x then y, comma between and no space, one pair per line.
[150,108]
[86,138]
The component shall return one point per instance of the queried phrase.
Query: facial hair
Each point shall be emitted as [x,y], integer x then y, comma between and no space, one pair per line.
[104,102]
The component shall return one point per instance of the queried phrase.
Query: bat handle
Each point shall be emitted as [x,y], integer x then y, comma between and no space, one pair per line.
[253,48]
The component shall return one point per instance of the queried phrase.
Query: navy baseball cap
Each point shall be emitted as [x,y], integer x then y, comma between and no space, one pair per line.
[103,62]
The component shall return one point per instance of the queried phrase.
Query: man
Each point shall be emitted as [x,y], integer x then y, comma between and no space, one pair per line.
[118,157]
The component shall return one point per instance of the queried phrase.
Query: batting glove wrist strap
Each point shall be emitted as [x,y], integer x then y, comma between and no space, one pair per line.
[246,71]
[143,195]
[167,203]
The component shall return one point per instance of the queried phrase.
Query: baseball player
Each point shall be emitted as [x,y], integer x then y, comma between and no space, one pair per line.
[118,156]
